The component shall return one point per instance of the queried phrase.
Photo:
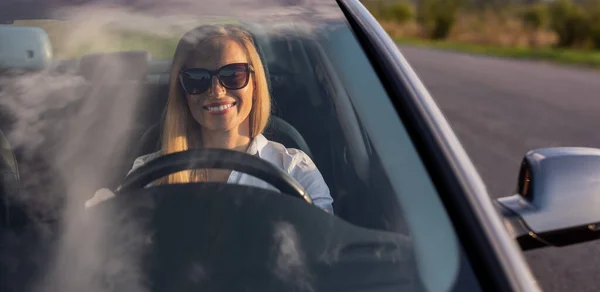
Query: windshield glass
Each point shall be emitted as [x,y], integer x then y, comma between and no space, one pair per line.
[151,146]
[75,38]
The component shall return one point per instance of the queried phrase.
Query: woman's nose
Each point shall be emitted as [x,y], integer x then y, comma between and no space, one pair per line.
[216,89]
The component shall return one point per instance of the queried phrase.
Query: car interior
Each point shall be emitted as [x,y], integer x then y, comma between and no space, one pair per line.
[311,112]
[305,114]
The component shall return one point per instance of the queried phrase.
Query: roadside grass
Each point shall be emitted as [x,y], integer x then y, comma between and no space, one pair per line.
[495,33]
[158,47]
[587,58]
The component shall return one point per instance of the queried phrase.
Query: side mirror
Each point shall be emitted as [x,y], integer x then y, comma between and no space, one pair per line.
[558,198]
[24,47]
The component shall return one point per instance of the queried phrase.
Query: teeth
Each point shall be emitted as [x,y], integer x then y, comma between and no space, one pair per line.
[219,107]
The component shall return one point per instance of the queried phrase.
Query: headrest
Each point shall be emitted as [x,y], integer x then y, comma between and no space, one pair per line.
[8,162]
[118,66]
[23,47]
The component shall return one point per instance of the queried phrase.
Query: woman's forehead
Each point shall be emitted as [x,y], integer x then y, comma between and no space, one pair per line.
[217,53]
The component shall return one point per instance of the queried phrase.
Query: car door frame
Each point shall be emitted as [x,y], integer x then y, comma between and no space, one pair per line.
[496,259]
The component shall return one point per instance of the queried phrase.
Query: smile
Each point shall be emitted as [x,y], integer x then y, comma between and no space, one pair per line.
[219,108]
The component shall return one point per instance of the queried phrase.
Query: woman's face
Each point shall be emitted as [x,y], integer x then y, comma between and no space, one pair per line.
[219,108]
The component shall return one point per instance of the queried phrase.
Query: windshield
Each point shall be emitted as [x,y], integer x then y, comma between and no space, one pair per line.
[109,114]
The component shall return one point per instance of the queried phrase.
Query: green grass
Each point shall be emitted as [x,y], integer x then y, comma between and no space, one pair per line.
[586,58]
[159,47]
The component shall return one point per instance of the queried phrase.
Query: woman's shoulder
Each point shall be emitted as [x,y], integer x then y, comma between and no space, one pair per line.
[288,158]
[300,166]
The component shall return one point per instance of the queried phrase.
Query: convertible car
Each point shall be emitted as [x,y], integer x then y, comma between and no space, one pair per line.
[83,87]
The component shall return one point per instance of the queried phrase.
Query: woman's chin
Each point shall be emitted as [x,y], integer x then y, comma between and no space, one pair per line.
[218,127]
[222,123]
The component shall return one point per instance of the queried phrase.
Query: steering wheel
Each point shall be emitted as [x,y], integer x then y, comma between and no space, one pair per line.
[215,159]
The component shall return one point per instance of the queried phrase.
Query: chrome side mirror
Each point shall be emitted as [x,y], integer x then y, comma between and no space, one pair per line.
[558,198]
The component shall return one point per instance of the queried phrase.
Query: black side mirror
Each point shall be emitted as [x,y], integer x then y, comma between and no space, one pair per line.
[558,198]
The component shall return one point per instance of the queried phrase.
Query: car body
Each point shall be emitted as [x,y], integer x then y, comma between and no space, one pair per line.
[389,139]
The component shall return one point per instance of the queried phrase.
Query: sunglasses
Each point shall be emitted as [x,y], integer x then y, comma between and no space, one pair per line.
[231,76]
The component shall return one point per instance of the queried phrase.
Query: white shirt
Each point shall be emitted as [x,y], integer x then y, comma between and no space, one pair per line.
[293,161]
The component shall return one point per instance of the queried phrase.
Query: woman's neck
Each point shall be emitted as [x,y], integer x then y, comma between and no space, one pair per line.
[233,139]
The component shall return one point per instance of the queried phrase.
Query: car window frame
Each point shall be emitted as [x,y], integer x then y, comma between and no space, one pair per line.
[496,260]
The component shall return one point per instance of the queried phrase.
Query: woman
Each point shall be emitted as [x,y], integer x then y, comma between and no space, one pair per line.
[219,98]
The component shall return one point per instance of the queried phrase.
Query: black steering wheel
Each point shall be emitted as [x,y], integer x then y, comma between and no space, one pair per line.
[215,159]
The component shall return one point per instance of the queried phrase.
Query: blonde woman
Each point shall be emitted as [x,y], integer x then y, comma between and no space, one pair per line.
[219,98]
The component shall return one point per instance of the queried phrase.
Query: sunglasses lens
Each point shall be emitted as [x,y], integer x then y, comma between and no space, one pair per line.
[234,76]
[195,81]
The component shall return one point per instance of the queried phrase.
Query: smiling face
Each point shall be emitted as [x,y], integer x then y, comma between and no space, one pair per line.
[219,108]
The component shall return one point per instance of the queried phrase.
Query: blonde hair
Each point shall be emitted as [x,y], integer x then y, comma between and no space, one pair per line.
[180,130]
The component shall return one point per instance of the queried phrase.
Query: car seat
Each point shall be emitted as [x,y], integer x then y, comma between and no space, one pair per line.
[22,49]
[9,179]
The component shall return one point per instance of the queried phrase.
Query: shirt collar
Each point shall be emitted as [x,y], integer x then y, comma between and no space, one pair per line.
[256,146]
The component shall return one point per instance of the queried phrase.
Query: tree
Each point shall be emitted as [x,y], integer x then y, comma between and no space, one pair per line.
[570,23]
[437,16]
[534,18]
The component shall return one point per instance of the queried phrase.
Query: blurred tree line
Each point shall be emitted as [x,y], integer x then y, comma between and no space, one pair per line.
[574,23]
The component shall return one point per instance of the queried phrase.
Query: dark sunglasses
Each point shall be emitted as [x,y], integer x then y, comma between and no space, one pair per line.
[231,76]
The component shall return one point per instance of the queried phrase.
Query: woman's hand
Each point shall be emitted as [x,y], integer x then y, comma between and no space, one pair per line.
[100,196]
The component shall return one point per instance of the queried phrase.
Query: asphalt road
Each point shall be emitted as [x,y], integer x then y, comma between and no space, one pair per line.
[502,108]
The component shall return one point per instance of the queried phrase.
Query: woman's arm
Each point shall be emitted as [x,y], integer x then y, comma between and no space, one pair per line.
[104,194]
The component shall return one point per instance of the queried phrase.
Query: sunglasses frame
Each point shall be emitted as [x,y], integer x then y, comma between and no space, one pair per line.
[248,68]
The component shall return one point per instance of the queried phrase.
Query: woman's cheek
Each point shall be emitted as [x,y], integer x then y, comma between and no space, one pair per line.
[247,107]
[195,108]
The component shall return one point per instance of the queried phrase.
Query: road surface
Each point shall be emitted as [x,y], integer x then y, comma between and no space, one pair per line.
[501,108]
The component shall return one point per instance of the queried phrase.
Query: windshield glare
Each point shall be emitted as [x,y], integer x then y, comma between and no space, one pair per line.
[104,90]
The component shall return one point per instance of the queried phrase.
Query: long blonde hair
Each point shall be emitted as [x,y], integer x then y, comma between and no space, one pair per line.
[180,130]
